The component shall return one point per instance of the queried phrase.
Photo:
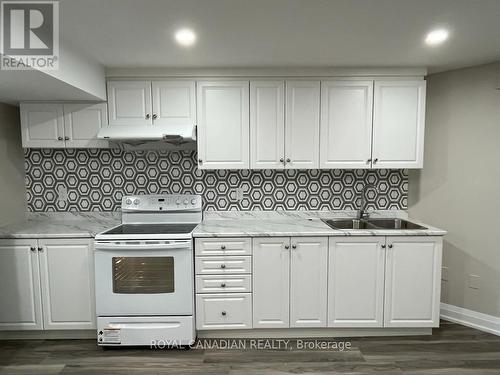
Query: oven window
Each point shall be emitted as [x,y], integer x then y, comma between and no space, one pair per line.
[143,275]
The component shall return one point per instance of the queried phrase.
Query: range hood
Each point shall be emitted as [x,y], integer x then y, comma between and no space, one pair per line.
[173,134]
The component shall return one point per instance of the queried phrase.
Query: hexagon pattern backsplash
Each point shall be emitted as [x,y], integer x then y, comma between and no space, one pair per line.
[96,180]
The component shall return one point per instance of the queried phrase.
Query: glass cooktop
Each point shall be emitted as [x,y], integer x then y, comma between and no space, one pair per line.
[125,229]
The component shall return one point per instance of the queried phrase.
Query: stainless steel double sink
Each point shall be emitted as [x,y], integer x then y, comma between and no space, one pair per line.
[372,224]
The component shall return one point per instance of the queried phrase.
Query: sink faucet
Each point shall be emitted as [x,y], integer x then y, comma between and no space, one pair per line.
[361,213]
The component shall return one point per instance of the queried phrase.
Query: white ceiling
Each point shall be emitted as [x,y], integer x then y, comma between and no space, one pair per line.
[283,33]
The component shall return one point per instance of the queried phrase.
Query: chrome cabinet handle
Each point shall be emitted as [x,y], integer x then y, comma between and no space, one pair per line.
[222,266]
[40,249]
[155,116]
[223,313]
[33,248]
[223,285]
[223,247]
[200,161]
[294,246]
[60,138]
[148,116]
[287,247]
[288,160]
[375,160]
[368,161]
[282,160]
[390,246]
[66,138]
[383,246]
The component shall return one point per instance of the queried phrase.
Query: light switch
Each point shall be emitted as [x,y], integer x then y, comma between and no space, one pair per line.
[474,281]
[444,273]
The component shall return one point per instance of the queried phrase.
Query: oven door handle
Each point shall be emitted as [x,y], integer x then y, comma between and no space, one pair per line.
[99,246]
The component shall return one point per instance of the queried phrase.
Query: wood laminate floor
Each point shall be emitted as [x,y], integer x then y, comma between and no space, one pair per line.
[452,349]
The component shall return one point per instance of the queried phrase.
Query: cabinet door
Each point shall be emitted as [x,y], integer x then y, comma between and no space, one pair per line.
[302,124]
[223,125]
[224,311]
[42,125]
[267,124]
[356,282]
[21,307]
[412,282]
[174,104]
[67,280]
[129,103]
[346,124]
[82,123]
[308,289]
[271,282]
[398,124]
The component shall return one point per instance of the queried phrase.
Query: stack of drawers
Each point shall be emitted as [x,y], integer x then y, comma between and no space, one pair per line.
[223,283]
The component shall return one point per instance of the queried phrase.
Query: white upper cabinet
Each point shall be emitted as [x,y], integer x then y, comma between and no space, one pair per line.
[308,287]
[223,124]
[67,283]
[346,124]
[20,297]
[267,124]
[174,103]
[412,281]
[82,123]
[42,125]
[302,105]
[271,282]
[129,103]
[58,125]
[356,282]
[398,124]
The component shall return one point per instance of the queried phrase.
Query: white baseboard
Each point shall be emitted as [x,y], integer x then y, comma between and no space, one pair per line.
[470,318]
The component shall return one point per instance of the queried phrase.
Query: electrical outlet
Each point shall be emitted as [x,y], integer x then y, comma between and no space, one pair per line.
[239,194]
[62,194]
[444,273]
[474,281]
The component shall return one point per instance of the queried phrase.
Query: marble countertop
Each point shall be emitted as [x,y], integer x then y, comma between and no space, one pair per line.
[61,225]
[214,224]
[297,223]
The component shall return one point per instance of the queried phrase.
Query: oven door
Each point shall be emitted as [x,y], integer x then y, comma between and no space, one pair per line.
[144,278]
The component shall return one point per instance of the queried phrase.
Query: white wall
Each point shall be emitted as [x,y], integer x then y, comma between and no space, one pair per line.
[12,186]
[459,187]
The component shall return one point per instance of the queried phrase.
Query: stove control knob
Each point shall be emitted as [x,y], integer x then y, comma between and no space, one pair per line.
[128,201]
[193,201]
[136,201]
[186,201]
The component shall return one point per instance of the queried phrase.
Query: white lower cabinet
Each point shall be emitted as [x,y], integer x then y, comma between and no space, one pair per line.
[224,311]
[46,284]
[271,282]
[413,281]
[67,283]
[356,282]
[308,281]
[290,282]
[318,282]
[20,297]
[223,283]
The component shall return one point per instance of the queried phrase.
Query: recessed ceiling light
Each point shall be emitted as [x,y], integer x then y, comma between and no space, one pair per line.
[185,37]
[436,37]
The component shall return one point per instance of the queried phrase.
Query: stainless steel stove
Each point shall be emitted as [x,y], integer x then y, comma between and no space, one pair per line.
[144,272]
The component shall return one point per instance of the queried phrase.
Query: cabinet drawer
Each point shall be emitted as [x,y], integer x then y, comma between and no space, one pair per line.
[223,283]
[223,246]
[224,311]
[222,265]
